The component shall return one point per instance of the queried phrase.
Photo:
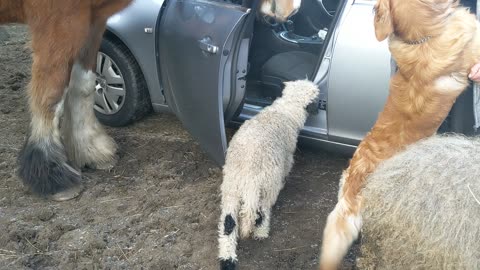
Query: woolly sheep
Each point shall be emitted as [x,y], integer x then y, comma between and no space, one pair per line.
[259,157]
[422,208]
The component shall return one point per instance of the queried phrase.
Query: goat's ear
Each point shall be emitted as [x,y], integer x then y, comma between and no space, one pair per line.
[383,21]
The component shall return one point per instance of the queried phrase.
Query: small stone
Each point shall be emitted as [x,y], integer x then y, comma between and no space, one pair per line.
[15,87]
[98,244]
[5,110]
[45,214]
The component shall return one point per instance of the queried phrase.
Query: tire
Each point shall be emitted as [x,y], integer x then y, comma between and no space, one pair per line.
[130,101]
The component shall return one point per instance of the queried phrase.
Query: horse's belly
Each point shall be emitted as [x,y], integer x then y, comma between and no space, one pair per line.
[11,11]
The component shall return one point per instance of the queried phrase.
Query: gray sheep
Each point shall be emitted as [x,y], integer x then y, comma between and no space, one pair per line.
[259,157]
[422,208]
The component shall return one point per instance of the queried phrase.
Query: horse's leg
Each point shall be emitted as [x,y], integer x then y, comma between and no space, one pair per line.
[87,142]
[43,163]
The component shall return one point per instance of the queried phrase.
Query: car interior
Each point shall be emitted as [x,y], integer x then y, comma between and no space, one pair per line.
[286,51]
[291,50]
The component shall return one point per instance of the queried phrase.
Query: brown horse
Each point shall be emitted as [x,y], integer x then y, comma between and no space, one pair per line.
[435,43]
[64,133]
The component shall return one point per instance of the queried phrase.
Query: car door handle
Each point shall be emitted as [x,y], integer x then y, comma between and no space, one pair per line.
[206,45]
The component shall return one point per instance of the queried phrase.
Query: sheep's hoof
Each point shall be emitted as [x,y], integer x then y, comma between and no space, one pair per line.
[260,233]
[68,194]
[227,264]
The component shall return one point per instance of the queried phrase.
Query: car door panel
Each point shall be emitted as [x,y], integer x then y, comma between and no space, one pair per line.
[358,77]
[197,41]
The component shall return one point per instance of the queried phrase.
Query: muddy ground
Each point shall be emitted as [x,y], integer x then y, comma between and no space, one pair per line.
[156,209]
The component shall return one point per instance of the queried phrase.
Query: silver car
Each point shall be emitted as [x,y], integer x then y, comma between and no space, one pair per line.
[215,62]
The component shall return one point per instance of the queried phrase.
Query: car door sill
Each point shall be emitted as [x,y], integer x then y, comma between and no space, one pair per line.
[309,129]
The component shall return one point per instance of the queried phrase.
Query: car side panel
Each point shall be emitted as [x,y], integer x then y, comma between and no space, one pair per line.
[135,27]
[359,76]
[198,41]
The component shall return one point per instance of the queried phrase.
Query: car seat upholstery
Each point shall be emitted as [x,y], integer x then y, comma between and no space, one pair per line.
[287,66]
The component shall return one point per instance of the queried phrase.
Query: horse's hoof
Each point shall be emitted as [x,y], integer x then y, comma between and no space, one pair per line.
[103,165]
[106,166]
[68,194]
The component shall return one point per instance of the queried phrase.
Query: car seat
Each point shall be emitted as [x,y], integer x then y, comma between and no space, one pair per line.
[287,66]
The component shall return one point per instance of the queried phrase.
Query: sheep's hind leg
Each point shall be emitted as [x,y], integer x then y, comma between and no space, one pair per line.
[228,232]
[262,223]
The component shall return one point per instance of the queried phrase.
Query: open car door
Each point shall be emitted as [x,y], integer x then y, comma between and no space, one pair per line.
[203,51]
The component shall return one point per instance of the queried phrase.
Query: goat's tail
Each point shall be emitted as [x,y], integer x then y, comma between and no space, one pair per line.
[228,231]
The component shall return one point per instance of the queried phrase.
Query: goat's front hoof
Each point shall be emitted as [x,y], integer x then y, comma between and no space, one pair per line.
[68,194]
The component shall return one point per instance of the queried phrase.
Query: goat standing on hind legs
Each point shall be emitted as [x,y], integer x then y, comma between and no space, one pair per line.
[66,36]
[435,43]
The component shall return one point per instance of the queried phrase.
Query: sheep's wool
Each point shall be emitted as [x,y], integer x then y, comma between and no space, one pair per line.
[259,157]
[422,208]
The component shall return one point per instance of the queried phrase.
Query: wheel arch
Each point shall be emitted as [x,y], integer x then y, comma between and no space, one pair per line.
[134,28]
[111,36]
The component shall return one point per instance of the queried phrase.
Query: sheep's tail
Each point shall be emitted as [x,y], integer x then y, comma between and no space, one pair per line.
[228,231]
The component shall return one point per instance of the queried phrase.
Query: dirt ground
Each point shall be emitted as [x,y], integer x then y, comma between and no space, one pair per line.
[156,209]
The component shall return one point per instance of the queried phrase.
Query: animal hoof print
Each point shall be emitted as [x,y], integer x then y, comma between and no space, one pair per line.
[67,194]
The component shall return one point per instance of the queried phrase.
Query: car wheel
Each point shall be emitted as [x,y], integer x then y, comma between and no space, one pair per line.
[121,93]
